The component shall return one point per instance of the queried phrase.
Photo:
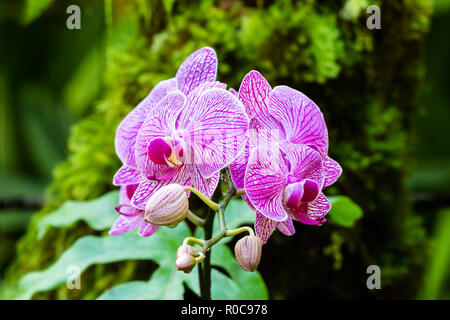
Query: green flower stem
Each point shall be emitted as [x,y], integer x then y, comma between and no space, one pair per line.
[239,192]
[192,217]
[231,233]
[214,206]
[194,240]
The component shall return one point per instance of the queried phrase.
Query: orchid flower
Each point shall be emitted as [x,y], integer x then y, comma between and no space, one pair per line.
[189,139]
[130,217]
[284,117]
[200,67]
[283,185]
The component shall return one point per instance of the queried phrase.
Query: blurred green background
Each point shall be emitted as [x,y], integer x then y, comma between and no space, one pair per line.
[52,77]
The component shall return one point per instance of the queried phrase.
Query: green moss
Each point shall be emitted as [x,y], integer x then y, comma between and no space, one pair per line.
[363,80]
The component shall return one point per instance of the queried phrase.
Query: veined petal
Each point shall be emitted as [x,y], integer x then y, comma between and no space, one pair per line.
[125,224]
[305,163]
[160,122]
[286,227]
[147,229]
[314,212]
[198,68]
[238,166]
[216,130]
[301,118]
[332,171]
[126,175]
[264,227]
[207,186]
[265,179]
[128,129]
[147,187]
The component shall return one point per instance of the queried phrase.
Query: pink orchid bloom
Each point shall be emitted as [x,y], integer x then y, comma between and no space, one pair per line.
[130,217]
[200,67]
[189,139]
[280,117]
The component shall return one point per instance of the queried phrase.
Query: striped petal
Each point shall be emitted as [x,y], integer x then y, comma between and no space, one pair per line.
[305,163]
[301,118]
[128,129]
[147,187]
[286,227]
[159,123]
[147,229]
[198,68]
[126,175]
[314,212]
[125,224]
[264,227]
[332,171]
[215,126]
[265,179]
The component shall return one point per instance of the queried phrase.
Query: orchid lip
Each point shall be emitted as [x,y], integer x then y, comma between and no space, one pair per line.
[166,151]
[298,191]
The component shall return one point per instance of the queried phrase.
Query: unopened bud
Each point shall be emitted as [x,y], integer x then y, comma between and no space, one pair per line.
[185,263]
[186,249]
[167,206]
[248,252]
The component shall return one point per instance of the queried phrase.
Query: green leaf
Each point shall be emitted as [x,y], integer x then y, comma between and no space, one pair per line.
[92,250]
[344,211]
[166,282]
[34,8]
[99,214]
[246,285]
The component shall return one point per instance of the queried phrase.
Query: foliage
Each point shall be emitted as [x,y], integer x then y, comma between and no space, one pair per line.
[344,211]
[166,282]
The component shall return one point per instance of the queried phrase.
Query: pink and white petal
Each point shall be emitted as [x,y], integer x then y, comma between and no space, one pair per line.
[126,175]
[162,89]
[245,197]
[238,166]
[265,180]
[128,129]
[216,133]
[306,163]
[207,186]
[264,227]
[332,171]
[286,227]
[198,68]
[260,135]
[125,224]
[160,122]
[123,195]
[147,229]
[147,187]
[301,118]
[314,212]
[254,94]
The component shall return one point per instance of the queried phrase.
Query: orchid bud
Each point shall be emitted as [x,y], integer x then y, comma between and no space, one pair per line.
[168,206]
[248,252]
[185,263]
[186,249]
